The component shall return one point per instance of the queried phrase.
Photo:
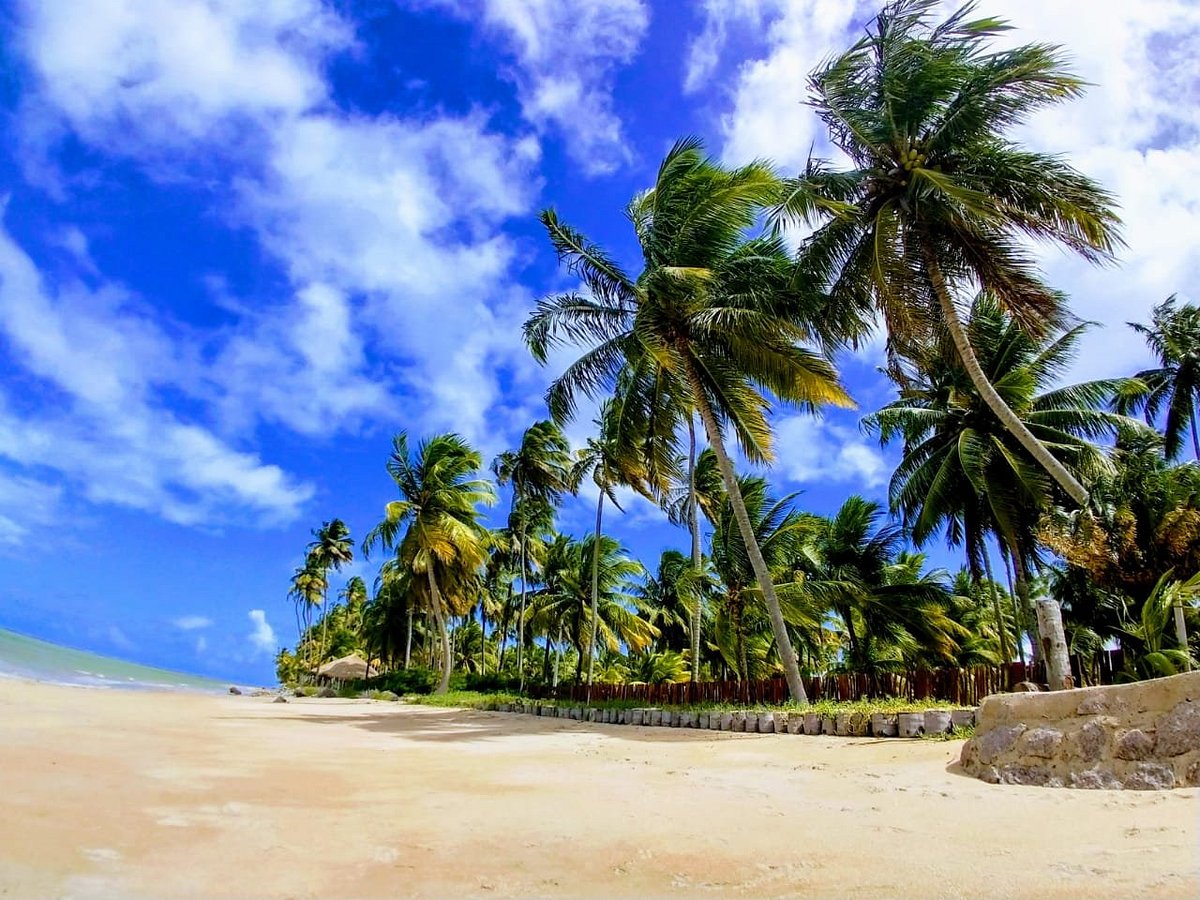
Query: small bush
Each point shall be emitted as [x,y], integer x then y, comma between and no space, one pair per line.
[402,681]
[489,683]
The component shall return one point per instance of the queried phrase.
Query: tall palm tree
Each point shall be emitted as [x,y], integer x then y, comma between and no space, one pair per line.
[669,599]
[963,469]
[435,527]
[331,548]
[1174,336]
[704,492]
[540,473]
[717,317]
[938,196]
[308,587]
[614,457]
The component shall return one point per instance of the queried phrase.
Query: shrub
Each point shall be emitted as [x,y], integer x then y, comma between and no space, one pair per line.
[490,683]
[402,681]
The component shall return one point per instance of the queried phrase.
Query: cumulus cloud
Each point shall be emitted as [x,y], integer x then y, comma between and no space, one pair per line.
[567,53]
[387,228]
[262,638]
[26,504]
[192,623]
[812,450]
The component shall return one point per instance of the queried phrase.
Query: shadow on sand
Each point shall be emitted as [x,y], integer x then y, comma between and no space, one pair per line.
[428,723]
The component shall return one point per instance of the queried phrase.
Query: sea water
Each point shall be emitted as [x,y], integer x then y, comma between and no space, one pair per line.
[26,657]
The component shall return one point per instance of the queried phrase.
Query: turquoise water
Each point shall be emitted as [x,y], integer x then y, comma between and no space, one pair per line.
[26,657]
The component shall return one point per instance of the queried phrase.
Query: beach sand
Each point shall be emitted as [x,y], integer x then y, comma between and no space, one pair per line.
[111,793]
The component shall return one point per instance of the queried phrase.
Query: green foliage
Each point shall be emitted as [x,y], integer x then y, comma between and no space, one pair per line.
[403,681]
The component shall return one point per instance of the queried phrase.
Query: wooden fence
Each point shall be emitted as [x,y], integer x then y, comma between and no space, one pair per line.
[959,686]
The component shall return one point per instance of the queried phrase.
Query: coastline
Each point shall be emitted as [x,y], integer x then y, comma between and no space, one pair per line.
[123,793]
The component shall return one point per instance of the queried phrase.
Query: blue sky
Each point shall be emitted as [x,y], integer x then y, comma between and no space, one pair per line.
[242,244]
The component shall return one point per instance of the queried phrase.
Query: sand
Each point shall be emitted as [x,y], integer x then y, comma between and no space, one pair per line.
[108,793]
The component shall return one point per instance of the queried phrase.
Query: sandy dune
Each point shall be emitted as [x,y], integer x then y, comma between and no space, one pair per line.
[105,793]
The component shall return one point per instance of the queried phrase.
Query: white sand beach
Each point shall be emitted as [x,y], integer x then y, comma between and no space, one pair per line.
[111,793]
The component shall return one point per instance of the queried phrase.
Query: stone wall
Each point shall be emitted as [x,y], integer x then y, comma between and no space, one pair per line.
[1142,736]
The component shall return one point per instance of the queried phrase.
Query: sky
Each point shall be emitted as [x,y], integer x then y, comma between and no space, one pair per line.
[244,244]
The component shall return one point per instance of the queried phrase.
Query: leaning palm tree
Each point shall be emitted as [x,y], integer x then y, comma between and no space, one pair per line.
[939,197]
[1174,336]
[540,473]
[715,317]
[434,528]
[308,587]
[331,548]
[962,468]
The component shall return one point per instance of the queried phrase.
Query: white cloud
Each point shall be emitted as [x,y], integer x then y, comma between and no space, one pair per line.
[812,450]
[387,227]
[262,638]
[567,52]
[156,76]
[201,644]
[192,623]
[108,434]
[26,504]
[118,639]
[720,17]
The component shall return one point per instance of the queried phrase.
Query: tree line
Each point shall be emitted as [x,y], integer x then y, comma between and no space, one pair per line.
[1078,526]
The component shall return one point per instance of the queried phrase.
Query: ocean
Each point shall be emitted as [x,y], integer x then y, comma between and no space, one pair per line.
[26,657]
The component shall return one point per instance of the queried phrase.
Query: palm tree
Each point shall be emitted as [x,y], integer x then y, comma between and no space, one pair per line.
[939,197]
[307,589]
[704,493]
[540,473]
[888,605]
[777,531]
[714,317]
[566,599]
[962,467]
[669,600]
[614,457]
[331,548]
[435,527]
[1174,336]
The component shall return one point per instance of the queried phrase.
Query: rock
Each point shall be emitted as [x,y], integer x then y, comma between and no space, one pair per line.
[280,699]
[235,690]
[655,718]
[1179,730]
[766,723]
[1150,776]
[326,693]
[261,692]
[1094,705]
[962,718]
[703,720]
[389,696]
[1040,742]
[1032,775]
[813,723]
[1192,778]
[828,725]
[937,721]
[795,724]
[1091,741]
[727,721]
[884,725]
[1134,744]
[298,692]
[782,720]
[636,716]
[910,725]
[1026,687]
[992,744]
[1096,779]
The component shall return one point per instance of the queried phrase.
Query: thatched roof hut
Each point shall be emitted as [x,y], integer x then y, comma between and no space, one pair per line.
[348,668]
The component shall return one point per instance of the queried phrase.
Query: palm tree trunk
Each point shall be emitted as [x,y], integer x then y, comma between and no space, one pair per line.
[1181,636]
[739,637]
[697,559]
[482,638]
[1007,417]
[1018,615]
[1195,437]
[1000,629]
[557,657]
[1053,641]
[439,620]
[787,655]
[521,619]
[408,639]
[595,593]
[324,622]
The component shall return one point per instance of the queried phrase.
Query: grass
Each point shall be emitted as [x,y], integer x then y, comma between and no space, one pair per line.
[828,708]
